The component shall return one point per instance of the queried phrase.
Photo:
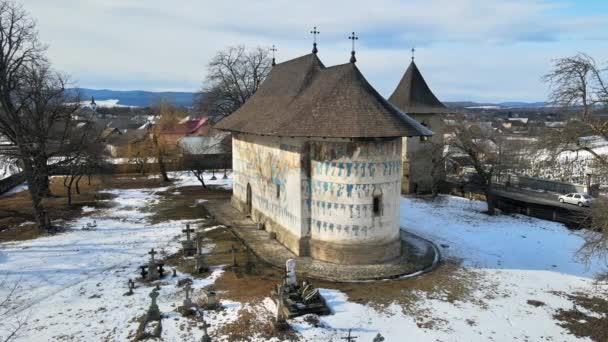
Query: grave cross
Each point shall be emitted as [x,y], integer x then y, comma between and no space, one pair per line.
[187,290]
[154,295]
[152,252]
[187,231]
[233,250]
[349,338]
[205,337]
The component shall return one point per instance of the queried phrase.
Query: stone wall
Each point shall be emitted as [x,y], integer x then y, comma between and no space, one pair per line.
[318,195]
[345,177]
[421,157]
[272,168]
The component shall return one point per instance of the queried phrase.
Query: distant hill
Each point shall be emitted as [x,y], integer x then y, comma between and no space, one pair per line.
[137,98]
[140,98]
[512,104]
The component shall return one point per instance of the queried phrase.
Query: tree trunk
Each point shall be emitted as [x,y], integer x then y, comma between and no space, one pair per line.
[200,177]
[490,199]
[68,181]
[77,185]
[41,176]
[40,215]
[160,161]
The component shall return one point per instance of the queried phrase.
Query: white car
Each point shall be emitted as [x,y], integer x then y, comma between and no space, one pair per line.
[582,200]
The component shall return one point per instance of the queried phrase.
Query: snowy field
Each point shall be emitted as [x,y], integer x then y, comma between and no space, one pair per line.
[72,284]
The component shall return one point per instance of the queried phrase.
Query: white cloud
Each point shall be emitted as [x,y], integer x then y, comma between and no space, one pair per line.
[157,44]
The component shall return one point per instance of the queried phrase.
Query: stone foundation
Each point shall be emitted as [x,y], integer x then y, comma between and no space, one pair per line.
[299,246]
[362,254]
[357,254]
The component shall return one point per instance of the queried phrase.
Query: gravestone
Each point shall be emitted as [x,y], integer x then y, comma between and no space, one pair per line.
[206,337]
[233,250]
[298,299]
[210,300]
[200,264]
[290,268]
[280,323]
[378,338]
[188,308]
[153,312]
[131,286]
[152,267]
[188,246]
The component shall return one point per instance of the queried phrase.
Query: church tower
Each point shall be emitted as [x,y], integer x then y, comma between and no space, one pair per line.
[422,157]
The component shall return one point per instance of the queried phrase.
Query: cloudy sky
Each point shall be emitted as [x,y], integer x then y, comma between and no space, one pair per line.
[481,50]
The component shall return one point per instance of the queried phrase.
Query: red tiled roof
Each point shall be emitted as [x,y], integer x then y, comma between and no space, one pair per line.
[188,127]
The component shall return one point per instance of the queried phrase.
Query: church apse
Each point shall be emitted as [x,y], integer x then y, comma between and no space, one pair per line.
[355,191]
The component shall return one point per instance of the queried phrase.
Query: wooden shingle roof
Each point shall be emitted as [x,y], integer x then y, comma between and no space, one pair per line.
[414,96]
[303,98]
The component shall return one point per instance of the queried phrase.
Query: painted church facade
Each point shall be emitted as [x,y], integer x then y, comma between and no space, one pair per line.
[317,159]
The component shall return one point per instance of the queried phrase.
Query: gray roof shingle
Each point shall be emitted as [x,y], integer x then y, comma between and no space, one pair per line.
[303,98]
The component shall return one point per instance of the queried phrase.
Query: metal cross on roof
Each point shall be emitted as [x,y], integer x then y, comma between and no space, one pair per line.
[353,37]
[314,39]
[413,51]
[273,49]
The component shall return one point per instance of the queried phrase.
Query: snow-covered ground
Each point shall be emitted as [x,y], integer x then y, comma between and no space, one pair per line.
[72,283]
[515,259]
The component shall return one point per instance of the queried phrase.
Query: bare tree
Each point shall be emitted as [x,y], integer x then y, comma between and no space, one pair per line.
[164,148]
[577,82]
[234,75]
[11,322]
[87,157]
[205,154]
[481,146]
[35,110]
[579,85]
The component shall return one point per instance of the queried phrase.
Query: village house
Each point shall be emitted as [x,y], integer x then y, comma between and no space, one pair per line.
[190,127]
[317,160]
[423,164]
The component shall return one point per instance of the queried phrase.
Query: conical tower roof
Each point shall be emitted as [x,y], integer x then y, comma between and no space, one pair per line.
[414,96]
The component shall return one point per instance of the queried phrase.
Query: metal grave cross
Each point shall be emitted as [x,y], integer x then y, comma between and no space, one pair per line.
[349,338]
[233,250]
[152,252]
[187,290]
[187,231]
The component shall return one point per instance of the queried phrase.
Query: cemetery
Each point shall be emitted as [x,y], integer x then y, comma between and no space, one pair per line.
[162,262]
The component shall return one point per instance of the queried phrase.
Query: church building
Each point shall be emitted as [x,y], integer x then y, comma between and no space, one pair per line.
[423,164]
[317,160]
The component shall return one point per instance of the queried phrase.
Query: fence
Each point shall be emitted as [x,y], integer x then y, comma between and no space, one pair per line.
[540,184]
[572,218]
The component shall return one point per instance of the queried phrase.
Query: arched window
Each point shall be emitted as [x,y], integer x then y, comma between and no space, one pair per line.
[377,204]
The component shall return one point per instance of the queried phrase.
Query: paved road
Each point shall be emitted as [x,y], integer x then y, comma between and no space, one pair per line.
[543,198]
